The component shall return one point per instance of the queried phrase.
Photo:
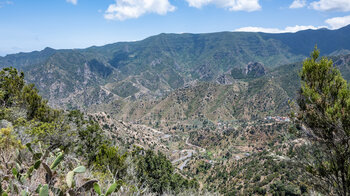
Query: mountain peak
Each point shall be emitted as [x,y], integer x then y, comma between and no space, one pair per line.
[347,28]
[48,49]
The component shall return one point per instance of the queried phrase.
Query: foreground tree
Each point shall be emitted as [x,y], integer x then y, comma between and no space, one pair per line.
[324,117]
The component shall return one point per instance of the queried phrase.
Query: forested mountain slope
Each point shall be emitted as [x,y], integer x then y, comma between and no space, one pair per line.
[160,64]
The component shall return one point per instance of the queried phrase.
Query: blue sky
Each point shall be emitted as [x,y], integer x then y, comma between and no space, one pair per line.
[27,25]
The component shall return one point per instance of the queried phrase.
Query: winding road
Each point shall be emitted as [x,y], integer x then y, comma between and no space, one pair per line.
[188,156]
[189,152]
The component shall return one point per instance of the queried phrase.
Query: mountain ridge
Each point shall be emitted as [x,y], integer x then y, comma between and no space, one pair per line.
[215,104]
[155,66]
[345,28]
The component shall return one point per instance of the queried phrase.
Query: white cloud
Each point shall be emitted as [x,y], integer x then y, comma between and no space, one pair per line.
[331,5]
[125,9]
[338,22]
[74,2]
[291,29]
[232,5]
[258,29]
[297,4]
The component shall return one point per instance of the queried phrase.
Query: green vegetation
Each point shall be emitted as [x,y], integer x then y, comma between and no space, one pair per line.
[257,160]
[215,104]
[170,60]
[100,68]
[157,171]
[34,136]
[324,111]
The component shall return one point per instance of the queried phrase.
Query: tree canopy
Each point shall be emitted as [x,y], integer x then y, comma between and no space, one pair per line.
[324,116]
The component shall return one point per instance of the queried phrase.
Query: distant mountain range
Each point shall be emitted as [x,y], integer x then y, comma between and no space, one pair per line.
[205,100]
[165,68]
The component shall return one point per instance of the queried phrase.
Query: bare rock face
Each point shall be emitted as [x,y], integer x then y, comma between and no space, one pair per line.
[255,70]
[224,79]
[251,70]
[342,61]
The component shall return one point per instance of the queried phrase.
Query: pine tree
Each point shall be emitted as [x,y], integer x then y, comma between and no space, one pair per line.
[324,115]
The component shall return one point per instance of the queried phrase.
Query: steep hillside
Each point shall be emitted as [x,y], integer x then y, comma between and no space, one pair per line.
[157,65]
[242,100]
[215,104]
[302,42]
[84,158]
[287,76]
[226,99]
